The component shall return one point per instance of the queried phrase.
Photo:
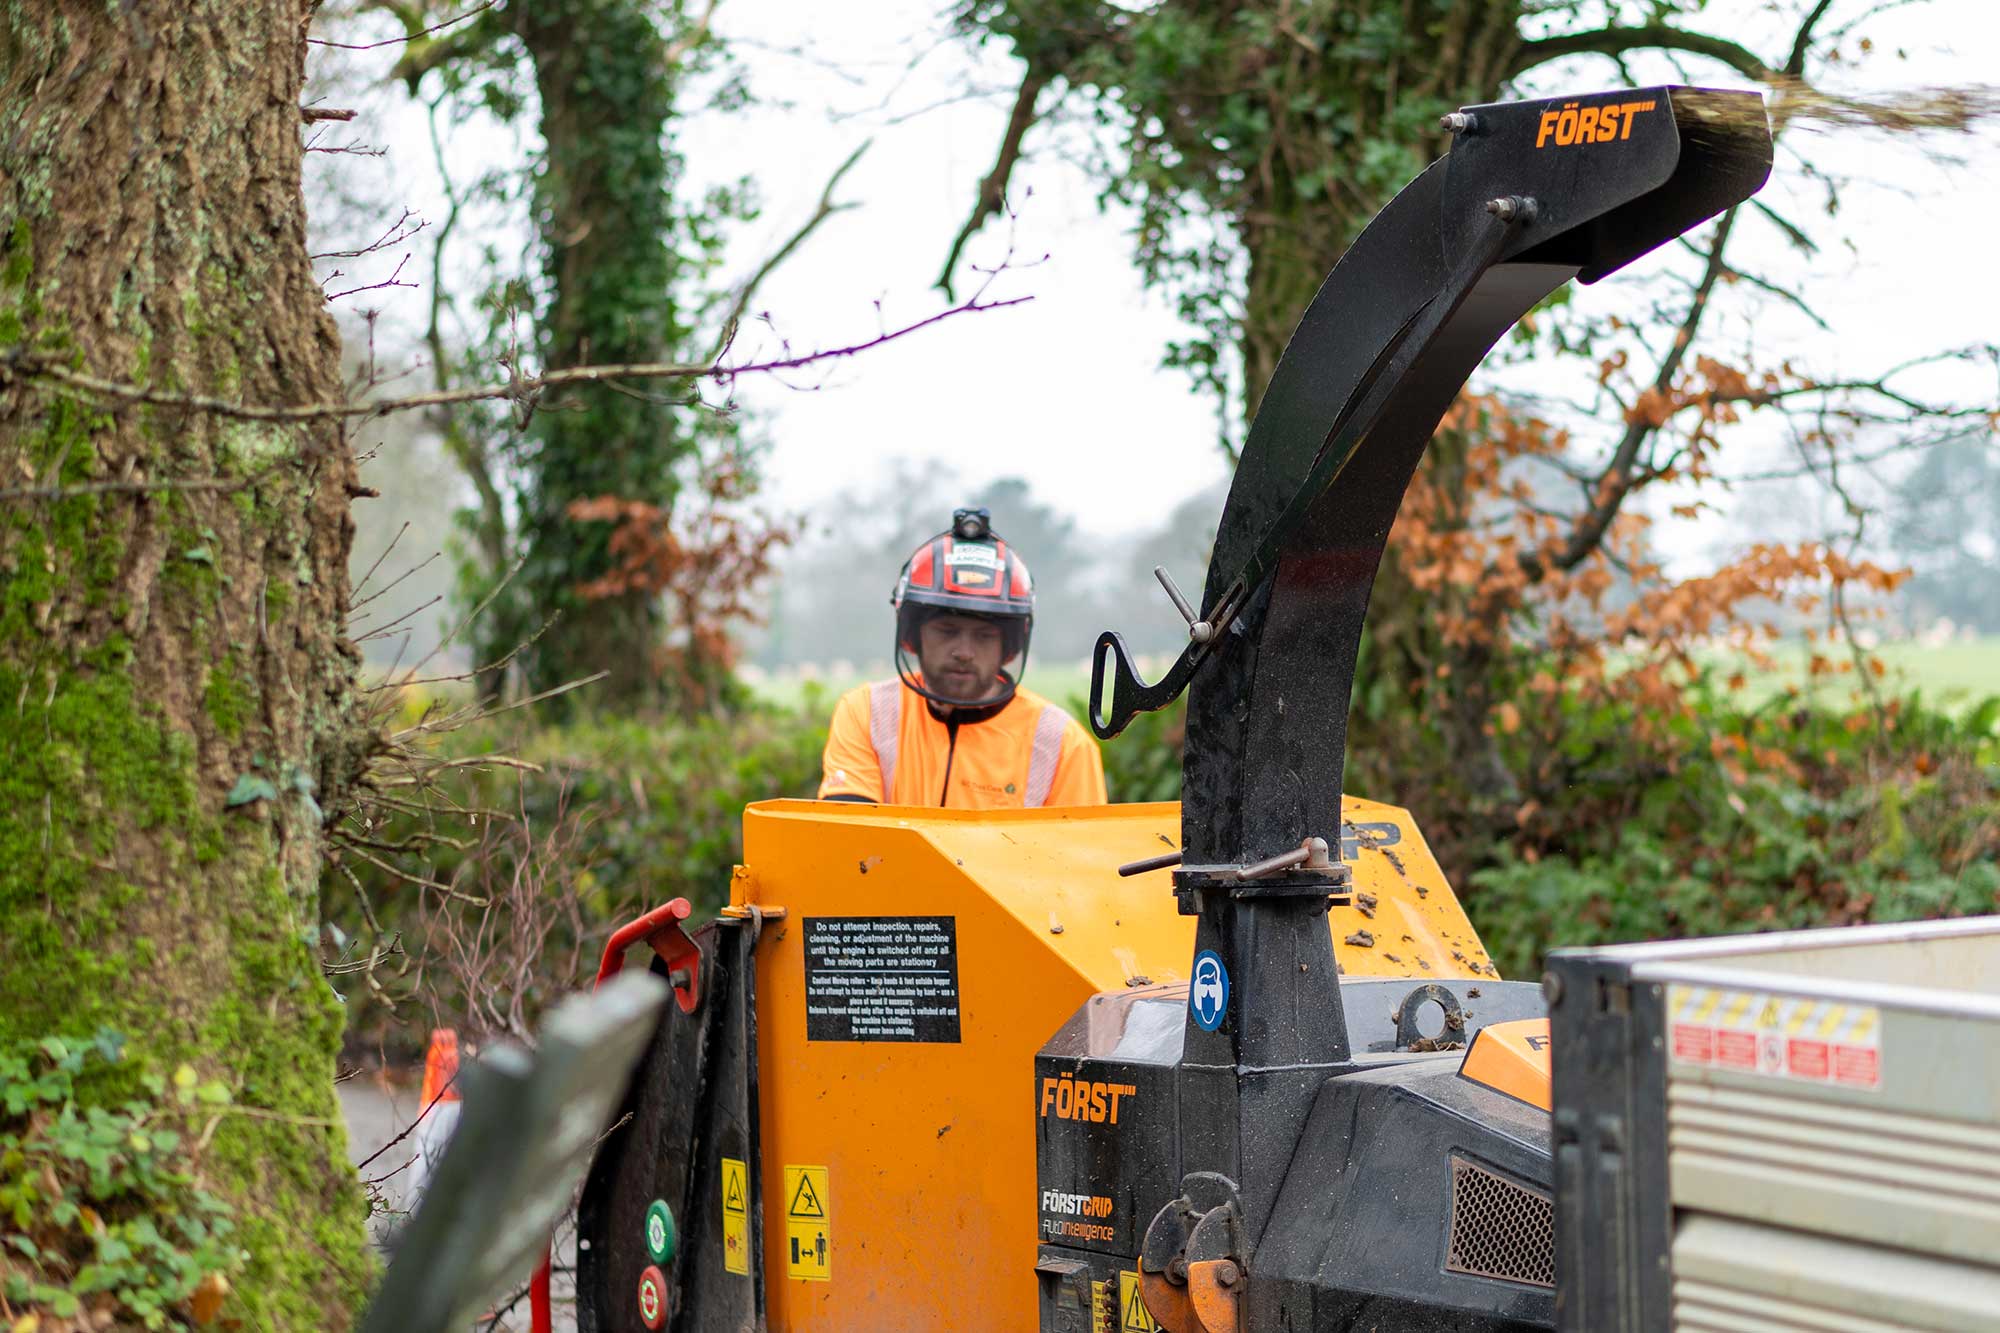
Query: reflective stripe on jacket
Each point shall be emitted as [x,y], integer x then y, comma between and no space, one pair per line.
[885,739]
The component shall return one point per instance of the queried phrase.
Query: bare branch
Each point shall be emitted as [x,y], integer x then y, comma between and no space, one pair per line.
[1619,39]
[1617,480]
[362,582]
[825,209]
[993,189]
[395,235]
[691,38]
[393,280]
[409,36]
[20,363]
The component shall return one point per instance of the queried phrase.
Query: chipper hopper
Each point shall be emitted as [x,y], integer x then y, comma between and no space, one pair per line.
[1240,1063]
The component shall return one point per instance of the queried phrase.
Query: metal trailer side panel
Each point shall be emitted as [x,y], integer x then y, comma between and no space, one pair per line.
[1731,1275]
[1790,1096]
[1613,1221]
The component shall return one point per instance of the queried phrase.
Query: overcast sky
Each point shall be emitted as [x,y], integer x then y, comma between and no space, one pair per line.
[1066,389]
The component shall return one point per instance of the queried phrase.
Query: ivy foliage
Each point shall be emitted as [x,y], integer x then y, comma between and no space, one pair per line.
[103,1216]
[621,274]
[1255,139]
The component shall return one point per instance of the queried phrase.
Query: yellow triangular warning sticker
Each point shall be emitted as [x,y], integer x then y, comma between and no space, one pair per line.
[805,1201]
[733,1200]
[1136,1318]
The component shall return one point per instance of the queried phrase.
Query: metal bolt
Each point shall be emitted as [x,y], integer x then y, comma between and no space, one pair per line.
[1458,122]
[1177,1271]
[1511,207]
[1227,1273]
[1201,631]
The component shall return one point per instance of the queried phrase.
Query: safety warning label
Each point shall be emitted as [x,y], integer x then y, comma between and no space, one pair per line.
[881,978]
[1778,1036]
[1133,1316]
[808,1229]
[735,1216]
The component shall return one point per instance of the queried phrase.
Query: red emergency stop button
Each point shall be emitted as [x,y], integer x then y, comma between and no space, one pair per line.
[653,1297]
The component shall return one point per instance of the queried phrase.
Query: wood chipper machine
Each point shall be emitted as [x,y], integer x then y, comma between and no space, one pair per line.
[1236,1063]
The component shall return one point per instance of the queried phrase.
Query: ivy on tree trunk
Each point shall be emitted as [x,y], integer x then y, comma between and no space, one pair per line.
[175,690]
[621,262]
[604,198]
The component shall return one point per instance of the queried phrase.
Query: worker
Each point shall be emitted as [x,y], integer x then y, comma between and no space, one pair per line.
[955,728]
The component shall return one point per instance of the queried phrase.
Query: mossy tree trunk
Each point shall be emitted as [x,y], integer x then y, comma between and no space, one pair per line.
[170,620]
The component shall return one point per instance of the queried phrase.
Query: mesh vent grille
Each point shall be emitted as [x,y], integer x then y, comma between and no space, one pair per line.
[1500,1229]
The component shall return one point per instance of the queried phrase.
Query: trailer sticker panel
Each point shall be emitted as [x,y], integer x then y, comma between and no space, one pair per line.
[735,1216]
[808,1229]
[1776,1036]
[881,978]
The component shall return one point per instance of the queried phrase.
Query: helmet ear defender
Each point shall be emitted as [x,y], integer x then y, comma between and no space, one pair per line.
[968,570]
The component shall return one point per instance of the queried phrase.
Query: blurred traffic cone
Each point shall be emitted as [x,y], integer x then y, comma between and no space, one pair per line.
[437,1110]
[441,1068]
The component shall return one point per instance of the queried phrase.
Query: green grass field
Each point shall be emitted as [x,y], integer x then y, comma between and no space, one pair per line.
[1954,676]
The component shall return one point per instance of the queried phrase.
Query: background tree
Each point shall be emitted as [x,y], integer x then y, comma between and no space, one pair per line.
[1944,520]
[621,259]
[1256,138]
[177,690]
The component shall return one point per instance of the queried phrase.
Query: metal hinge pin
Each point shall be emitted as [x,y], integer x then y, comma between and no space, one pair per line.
[1198,629]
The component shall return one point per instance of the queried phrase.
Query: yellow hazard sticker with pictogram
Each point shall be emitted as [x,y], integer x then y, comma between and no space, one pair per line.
[735,1216]
[1776,1036]
[808,1229]
[1133,1316]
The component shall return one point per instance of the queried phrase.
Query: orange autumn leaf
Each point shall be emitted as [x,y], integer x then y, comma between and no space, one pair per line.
[207,1300]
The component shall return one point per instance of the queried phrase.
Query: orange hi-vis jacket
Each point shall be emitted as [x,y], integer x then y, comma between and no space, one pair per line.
[887,746]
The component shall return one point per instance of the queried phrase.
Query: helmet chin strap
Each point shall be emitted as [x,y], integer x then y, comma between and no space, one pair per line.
[914,680]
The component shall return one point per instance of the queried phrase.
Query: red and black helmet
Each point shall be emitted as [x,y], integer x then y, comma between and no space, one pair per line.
[966,570]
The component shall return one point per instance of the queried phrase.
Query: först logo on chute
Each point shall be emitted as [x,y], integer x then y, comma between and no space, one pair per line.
[1572,124]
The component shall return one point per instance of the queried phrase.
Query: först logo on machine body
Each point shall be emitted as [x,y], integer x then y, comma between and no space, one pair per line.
[1077,1217]
[1070,1098]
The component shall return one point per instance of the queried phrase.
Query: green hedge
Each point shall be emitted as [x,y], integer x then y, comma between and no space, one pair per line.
[1851,817]
[1845,819]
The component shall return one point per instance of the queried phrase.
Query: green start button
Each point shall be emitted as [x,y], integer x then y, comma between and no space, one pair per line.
[660,1232]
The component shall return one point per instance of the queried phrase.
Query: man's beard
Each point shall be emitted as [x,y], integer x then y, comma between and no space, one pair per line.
[963,688]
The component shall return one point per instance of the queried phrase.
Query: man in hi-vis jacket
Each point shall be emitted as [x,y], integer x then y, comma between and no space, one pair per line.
[954,728]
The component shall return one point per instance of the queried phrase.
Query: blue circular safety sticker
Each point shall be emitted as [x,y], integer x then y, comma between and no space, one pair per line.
[1208,991]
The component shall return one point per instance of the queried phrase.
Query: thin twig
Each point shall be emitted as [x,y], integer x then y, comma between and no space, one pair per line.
[825,209]
[18,362]
[406,37]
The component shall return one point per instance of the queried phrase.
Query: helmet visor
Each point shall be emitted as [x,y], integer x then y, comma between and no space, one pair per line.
[959,659]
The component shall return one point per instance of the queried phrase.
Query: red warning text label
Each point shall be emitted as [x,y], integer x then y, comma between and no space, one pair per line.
[1778,1036]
